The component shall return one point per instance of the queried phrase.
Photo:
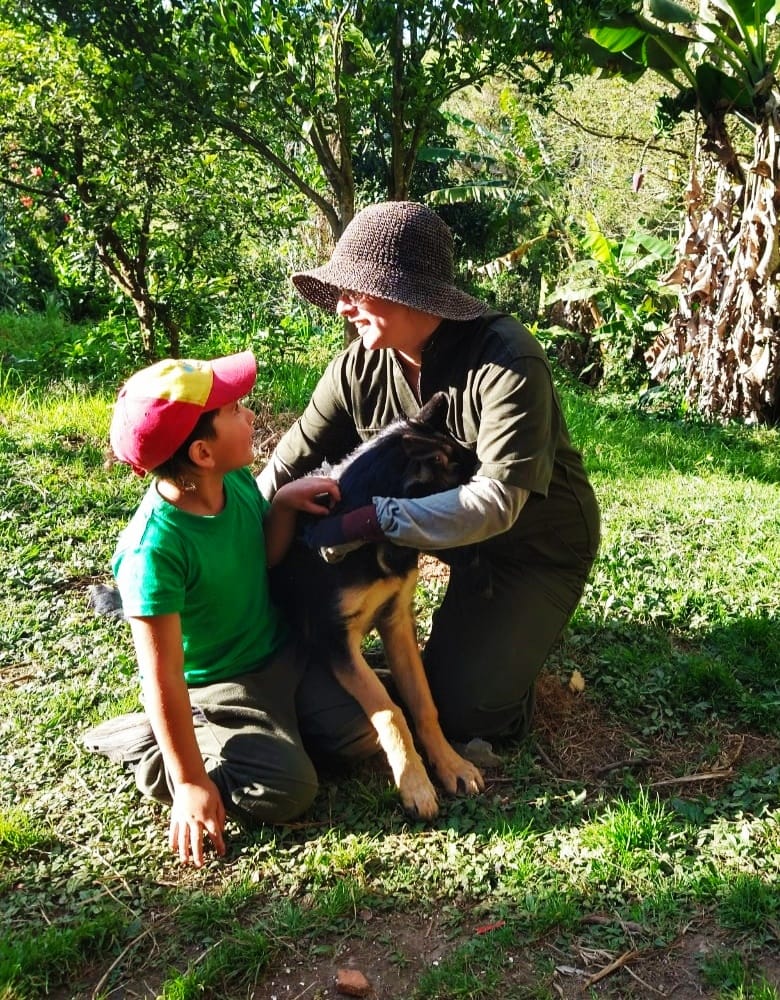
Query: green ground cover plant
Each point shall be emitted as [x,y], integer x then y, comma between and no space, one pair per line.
[630,848]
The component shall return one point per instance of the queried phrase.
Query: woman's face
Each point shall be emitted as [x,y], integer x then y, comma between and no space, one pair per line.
[384,324]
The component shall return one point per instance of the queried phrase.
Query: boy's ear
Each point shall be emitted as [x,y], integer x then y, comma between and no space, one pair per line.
[200,455]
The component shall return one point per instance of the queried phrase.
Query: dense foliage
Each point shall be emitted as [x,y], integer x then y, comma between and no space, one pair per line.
[166,166]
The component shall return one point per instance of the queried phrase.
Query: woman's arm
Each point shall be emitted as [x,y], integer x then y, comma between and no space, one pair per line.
[465,515]
[197,807]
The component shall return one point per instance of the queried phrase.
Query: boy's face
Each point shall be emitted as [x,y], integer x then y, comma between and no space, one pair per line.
[232,446]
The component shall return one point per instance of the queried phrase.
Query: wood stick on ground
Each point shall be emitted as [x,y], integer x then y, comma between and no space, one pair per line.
[546,761]
[304,992]
[689,779]
[619,962]
[639,979]
[104,978]
[628,762]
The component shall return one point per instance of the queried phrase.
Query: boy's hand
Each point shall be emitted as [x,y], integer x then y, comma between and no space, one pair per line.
[313,494]
[197,810]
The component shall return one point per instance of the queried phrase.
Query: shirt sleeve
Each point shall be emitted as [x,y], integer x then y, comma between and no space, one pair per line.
[325,431]
[518,425]
[272,476]
[468,514]
[150,582]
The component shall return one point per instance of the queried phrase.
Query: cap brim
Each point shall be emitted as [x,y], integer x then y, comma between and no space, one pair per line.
[233,377]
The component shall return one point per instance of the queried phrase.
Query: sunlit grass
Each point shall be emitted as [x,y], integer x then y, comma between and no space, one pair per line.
[677,638]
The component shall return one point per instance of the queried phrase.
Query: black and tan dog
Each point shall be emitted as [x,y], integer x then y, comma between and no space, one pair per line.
[335,604]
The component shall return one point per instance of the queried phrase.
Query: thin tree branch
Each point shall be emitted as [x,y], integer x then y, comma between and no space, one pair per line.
[622,137]
[283,167]
[609,969]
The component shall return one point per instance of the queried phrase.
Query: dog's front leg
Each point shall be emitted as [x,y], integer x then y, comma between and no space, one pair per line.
[397,629]
[417,793]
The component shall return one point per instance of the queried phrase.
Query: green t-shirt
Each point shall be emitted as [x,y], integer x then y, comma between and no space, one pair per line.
[211,571]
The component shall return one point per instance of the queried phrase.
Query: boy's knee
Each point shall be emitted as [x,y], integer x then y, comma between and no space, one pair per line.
[273,802]
[276,793]
[276,798]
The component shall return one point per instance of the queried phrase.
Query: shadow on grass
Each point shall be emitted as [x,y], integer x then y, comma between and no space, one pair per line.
[294,889]
[668,682]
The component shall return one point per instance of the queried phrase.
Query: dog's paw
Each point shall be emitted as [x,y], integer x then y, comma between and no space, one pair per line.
[459,776]
[418,797]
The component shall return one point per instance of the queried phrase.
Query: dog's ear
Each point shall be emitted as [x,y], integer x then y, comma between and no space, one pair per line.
[424,446]
[434,412]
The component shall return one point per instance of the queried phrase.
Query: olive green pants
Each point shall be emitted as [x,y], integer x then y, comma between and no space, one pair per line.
[498,621]
[258,733]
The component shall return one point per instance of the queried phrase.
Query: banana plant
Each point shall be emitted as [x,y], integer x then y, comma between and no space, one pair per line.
[617,282]
[722,65]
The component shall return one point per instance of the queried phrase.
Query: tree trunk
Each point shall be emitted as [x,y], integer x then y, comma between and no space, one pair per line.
[145,312]
[724,339]
[128,273]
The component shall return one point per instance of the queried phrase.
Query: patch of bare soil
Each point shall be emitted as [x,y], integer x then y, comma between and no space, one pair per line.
[673,971]
[393,950]
[677,969]
[577,740]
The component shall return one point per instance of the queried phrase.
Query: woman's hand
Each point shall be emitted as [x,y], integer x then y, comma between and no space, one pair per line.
[336,536]
[197,810]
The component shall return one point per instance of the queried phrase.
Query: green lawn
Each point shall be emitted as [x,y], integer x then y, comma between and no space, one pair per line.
[631,848]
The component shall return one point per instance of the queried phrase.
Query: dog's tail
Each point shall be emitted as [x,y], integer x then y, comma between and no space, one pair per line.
[105,600]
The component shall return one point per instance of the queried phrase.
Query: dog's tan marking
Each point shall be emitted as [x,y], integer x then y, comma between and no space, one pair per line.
[359,605]
[387,604]
[397,629]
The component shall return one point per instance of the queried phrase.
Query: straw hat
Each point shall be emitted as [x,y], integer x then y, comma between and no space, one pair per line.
[396,250]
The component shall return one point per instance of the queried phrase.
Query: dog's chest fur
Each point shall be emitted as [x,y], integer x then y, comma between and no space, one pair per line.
[361,606]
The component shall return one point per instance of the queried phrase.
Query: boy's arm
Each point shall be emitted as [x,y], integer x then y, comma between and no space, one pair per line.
[197,805]
[279,526]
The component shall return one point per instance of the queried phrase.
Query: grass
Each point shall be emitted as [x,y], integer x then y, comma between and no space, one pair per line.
[639,826]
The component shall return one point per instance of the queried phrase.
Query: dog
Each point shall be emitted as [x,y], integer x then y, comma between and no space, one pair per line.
[334,604]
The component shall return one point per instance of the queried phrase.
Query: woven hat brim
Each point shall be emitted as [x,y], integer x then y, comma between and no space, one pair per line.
[322,284]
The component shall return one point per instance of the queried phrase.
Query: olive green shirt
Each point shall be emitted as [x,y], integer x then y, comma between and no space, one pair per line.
[503,406]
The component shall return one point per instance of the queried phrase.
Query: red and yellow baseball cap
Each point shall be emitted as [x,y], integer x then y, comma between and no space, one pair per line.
[158,407]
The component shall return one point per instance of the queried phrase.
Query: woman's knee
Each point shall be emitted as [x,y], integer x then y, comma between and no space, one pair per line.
[468,716]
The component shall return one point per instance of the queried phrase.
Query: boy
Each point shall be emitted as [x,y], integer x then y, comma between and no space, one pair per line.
[220,678]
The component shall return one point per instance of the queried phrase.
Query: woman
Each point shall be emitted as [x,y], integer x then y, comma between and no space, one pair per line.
[529,511]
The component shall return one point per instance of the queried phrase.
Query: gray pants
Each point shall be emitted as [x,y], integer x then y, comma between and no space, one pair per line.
[256,733]
[498,622]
